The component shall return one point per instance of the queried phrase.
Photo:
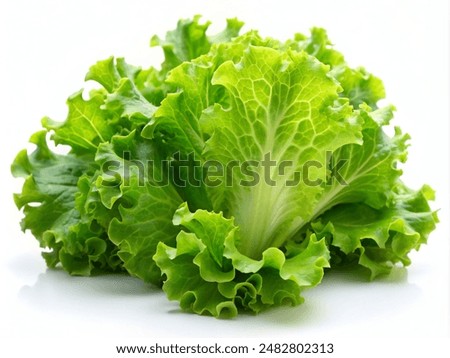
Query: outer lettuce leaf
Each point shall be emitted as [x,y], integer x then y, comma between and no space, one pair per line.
[144,200]
[119,109]
[89,203]
[86,126]
[317,45]
[50,213]
[66,212]
[369,179]
[365,172]
[378,239]
[359,86]
[151,83]
[177,120]
[189,41]
[123,98]
[208,275]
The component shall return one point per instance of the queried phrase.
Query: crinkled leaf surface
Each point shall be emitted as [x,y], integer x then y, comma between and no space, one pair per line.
[208,275]
[48,200]
[382,237]
[146,202]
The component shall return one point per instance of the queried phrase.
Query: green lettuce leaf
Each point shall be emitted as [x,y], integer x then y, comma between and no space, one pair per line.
[133,182]
[48,200]
[358,85]
[282,115]
[123,98]
[378,239]
[86,126]
[189,41]
[365,172]
[208,275]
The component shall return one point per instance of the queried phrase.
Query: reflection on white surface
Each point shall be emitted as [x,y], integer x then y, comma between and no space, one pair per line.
[345,299]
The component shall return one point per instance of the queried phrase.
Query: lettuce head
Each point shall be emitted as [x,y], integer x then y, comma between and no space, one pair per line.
[232,176]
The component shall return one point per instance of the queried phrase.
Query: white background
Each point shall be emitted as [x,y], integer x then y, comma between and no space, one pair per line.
[46,48]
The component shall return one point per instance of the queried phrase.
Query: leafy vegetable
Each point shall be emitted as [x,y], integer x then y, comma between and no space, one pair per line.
[232,176]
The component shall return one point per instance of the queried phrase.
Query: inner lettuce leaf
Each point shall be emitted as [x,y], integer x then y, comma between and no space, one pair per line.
[282,115]
[232,176]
